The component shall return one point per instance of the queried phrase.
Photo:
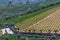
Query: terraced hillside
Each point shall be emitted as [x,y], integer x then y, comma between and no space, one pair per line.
[51,23]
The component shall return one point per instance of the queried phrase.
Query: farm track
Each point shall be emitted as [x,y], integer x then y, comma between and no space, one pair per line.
[51,22]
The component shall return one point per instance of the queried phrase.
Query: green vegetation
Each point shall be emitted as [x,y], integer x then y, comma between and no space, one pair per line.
[16,37]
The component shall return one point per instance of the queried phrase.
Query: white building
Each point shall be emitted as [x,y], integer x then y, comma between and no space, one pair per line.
[9,31]
[6,30]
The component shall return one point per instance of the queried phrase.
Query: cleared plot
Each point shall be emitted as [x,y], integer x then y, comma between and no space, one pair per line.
[51,22]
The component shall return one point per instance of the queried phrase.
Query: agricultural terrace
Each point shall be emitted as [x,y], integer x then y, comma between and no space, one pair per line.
[27,24]
[51,23]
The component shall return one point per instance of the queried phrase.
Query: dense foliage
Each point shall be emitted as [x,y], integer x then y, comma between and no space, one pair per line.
[19,37]
[15,10]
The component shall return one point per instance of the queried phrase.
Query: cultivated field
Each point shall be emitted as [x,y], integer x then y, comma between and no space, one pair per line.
[51,22]
[27,24]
